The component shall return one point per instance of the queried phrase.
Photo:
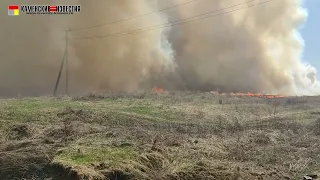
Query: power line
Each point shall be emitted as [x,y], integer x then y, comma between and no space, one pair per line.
[134,17]
[178,22]
[167,24]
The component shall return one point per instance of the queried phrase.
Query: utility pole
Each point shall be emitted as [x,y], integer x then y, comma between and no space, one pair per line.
[59,75]
[65,59]
[67,66]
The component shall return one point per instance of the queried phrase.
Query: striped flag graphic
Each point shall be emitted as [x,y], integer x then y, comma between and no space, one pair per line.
[52,8]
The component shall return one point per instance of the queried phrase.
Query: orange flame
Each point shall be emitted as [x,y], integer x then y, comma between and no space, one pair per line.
[157,90]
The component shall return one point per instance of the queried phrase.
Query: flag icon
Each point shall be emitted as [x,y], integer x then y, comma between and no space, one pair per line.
[13,10]
[52,8]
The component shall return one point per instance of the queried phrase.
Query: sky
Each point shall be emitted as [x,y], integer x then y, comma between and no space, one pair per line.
[310,33]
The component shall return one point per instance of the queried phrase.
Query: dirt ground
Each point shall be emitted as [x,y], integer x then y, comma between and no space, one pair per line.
[146,136]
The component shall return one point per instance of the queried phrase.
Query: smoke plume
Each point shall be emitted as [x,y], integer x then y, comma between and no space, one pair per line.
[255,49]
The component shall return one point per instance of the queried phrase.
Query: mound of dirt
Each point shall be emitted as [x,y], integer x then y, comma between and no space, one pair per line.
[18,132]
[81,115]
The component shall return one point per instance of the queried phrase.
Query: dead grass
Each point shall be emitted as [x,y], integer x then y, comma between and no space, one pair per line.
[148,136]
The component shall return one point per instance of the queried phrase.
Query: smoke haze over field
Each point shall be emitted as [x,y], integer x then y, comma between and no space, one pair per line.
[255,49]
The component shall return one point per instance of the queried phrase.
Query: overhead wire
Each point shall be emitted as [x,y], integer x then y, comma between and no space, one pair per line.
[179,22]
[133,17]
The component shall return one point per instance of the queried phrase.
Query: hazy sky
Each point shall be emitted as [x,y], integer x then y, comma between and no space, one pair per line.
[310,33]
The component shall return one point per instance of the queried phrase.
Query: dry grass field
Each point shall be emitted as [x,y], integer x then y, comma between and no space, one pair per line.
[147,136]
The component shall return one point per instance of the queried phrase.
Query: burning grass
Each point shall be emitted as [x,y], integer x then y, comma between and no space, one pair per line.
[158,136]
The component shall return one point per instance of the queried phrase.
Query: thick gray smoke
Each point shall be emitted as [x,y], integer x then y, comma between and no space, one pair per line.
[255,49]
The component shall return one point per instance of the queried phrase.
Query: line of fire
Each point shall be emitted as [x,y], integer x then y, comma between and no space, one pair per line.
[248,94]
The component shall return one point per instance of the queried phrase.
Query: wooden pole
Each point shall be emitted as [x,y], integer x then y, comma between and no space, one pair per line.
[59,75]
[67,66]
[64,60]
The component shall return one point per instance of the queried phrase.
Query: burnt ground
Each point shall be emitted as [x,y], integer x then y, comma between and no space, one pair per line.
[177,136]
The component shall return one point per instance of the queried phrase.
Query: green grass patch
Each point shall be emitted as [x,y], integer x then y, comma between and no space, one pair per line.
[160,113]
[111,155]
[140,110]
[40,104]
[41,110]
